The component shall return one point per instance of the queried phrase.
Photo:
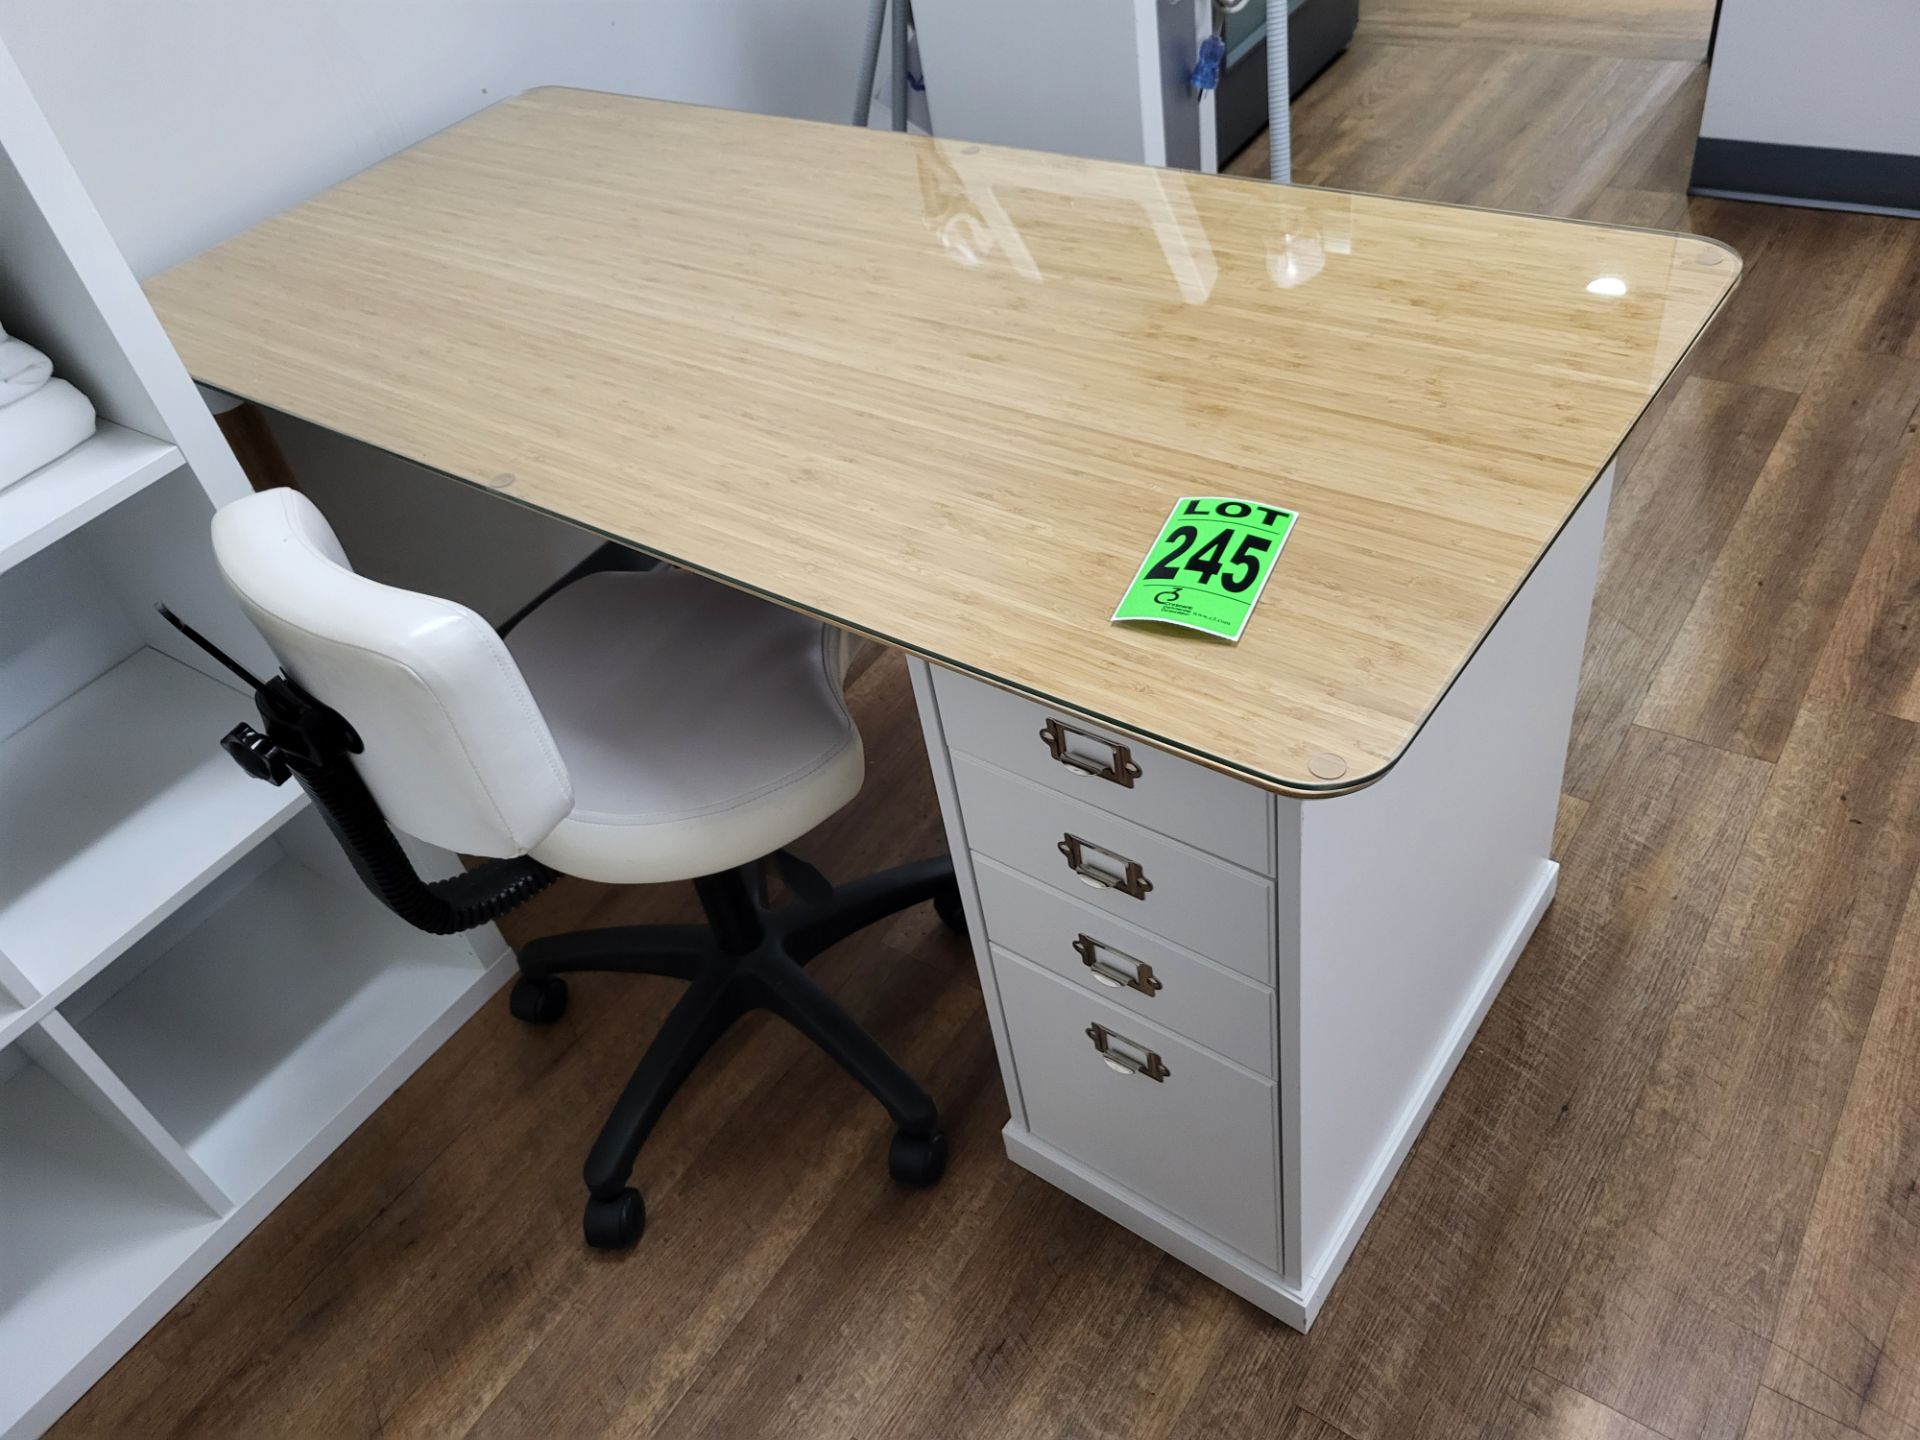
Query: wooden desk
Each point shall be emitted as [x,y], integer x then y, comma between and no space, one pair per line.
[890,381]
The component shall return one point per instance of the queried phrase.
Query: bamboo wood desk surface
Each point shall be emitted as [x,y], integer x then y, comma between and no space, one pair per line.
[944,394]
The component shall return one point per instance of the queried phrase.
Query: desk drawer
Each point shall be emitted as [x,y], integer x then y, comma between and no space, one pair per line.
[1200,1141]
[1176,797]
[1129,968]
[1210,907]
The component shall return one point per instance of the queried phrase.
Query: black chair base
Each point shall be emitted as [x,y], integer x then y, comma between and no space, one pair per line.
[748,956]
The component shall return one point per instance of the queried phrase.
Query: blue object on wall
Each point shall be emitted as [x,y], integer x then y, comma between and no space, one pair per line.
[1206,70]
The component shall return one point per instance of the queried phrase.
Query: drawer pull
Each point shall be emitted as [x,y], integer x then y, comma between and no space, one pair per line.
[1116,968]
[1118,1054]
[1131,880]
[1120,767]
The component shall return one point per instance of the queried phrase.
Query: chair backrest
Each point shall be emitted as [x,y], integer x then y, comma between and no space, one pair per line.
[457,752]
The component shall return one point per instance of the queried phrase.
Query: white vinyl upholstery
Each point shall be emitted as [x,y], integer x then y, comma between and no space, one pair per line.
[456,750]
[703,728]
[638,727]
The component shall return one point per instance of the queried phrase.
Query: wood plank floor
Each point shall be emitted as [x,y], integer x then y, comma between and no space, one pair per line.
[1673,1192]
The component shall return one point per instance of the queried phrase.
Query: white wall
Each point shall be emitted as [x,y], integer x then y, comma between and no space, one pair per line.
[1839,76]
[1101,78]
[189,120]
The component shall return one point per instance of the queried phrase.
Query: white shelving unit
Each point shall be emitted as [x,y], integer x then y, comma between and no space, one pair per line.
[94,1219]
[249,1048]
[140,730]
[58,499]
[198,998]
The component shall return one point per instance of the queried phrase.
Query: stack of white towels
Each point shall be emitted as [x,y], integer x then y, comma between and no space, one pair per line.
[41,418]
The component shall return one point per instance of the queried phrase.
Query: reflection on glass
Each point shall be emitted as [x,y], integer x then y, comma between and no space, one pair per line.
[957,184]
[1296,259]
[969,221]
[1606,285]
[1311,229]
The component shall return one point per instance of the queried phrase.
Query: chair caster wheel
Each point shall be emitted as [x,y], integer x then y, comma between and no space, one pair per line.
[615,1224]
[917,1159]
[951,912]
[538,1001]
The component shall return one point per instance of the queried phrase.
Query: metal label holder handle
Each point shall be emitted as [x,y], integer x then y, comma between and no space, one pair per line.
[1116,975]
[1147,1062]
[1131,880]
[1120,768]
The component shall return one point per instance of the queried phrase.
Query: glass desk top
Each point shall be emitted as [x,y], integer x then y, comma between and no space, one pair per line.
[944,394]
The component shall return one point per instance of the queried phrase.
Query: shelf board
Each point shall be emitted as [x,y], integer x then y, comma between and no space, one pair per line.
[255,1039]
[92,477]
[116,806]
[93,1229]
[13,1021]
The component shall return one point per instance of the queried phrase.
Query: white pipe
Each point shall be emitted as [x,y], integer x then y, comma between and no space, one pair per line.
[869,61]
[1279,96]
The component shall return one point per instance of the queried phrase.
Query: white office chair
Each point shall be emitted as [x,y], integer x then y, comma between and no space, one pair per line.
[637,727]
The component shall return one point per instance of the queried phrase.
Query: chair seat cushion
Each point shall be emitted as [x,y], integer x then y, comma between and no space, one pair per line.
[702,728]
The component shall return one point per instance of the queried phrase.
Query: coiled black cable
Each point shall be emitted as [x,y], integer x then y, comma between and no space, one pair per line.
[439,907]
[308,741]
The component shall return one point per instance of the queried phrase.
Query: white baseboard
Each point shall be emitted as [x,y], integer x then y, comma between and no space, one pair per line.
[1217,1262]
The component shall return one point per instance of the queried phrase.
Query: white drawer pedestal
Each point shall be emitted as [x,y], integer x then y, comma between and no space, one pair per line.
[1282,987]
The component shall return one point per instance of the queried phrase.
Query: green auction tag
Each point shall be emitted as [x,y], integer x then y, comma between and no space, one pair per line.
[1209,565]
